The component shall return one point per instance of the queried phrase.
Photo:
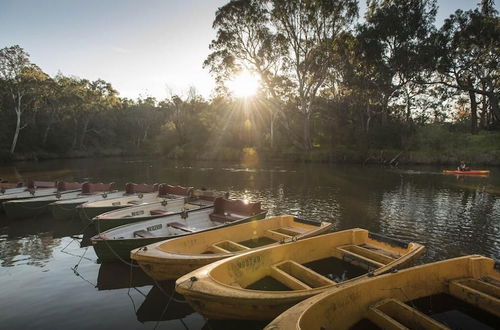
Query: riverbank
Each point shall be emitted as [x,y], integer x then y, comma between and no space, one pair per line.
[425,148]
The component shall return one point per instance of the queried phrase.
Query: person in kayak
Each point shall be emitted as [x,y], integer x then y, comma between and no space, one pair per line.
[462,167]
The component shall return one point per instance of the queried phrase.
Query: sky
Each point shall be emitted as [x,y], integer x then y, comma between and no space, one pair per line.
[143,48]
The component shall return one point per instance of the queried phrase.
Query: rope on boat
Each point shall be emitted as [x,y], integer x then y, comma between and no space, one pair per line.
[75,269]
[111,249]
[34,208]
[75,255]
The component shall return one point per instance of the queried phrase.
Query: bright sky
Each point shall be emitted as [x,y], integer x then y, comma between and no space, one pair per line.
[143,48]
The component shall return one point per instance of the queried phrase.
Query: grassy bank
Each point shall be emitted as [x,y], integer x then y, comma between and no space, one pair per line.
[429,145]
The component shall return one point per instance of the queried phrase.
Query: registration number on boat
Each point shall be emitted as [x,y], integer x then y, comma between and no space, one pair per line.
[137,213]
[155,227]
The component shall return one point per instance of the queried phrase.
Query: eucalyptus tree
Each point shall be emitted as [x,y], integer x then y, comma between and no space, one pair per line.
[288,43]
[245,41]
[396,38]
[469,56]
[308,30]
[98,96]
[20,77]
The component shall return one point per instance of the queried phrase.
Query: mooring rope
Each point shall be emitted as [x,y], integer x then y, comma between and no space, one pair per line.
[110,248]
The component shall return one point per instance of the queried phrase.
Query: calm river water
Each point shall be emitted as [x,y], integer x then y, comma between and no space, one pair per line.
[48,282]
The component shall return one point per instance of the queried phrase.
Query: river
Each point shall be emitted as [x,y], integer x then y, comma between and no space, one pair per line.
[48,281]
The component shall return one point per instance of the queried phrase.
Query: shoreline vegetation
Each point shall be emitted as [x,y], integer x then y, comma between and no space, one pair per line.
[316,84]
[480,149]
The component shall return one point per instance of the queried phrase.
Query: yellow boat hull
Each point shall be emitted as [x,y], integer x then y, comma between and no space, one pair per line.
[230,288]
[386,300]
[170,259]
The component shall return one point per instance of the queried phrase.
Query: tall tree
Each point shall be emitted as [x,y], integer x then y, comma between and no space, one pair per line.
[20,77]
[395,37]
[469,56]
[245,41]
[287,42]
[308,30]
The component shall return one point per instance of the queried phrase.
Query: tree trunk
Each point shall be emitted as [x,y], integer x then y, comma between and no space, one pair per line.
[484,110]
[17,109]
[272,130]
[408,105]
[473,112]
[84,132]
[307,132]
[16,134]
[494,105]
[75,134]
[47,129]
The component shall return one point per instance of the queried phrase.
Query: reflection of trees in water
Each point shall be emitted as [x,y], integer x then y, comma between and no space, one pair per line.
[31,250]
[449,222]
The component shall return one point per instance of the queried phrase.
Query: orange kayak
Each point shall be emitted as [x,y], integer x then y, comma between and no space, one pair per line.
[474,172]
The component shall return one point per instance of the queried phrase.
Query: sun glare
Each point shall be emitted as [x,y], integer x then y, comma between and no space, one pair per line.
[244,84]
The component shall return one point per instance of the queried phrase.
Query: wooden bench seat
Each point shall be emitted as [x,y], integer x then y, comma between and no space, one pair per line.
[180,226]
[364,257]
[394,314]
[143,234]
[158,212]
[297,276]
[479,293]
[277,236]
[229,246]
[226,217]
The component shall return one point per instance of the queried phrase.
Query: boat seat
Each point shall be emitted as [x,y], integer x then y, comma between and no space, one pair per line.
[158,212]
[297,276]
[484,295]
[362,256]
[394,314]
[180,226]
[143,234]
[229,247]
[277,236]
[292,231]
[136,202]
[226,217]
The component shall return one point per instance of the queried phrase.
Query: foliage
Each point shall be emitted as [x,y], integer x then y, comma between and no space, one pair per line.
[331,91]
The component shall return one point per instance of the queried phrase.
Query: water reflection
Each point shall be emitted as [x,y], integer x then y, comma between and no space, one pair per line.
[31,242]
[117,275]
[162,303]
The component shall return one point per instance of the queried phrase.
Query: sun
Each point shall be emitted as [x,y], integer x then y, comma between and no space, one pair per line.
[245,84]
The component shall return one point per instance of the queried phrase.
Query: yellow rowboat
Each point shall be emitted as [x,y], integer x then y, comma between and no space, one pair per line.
[457,293]
[261,284]
[168,260]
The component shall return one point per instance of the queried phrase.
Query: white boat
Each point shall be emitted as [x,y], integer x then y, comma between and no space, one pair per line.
[64,209]
[135,194]
[32,190]
[32,207]
[117,243]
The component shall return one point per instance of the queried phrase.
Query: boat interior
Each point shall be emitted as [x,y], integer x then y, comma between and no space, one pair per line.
[335,259]
[462,294]
[227,210]
[247,236]
[468,300]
